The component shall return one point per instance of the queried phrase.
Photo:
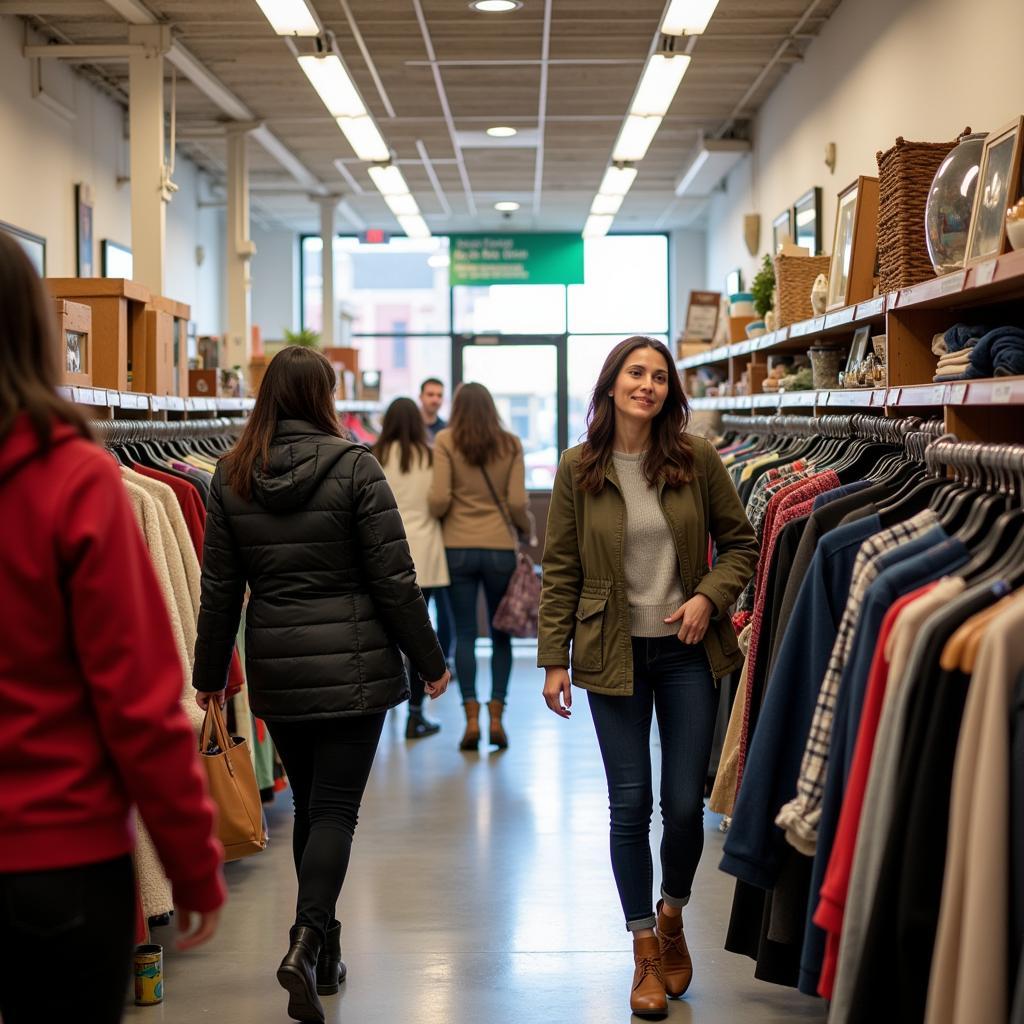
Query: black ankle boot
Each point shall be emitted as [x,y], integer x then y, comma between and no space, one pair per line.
[297,975]
[330,969]
[418,726]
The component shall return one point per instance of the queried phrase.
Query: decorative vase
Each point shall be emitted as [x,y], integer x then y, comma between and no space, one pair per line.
[947,215]
[819,295]
[825,364]
[769,320]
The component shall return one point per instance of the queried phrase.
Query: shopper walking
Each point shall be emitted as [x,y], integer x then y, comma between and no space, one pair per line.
[306,519]
[627,585]
[404,453]
[479,491]
[90,690]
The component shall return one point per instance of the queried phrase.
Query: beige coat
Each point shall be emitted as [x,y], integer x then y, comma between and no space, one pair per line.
[423,531]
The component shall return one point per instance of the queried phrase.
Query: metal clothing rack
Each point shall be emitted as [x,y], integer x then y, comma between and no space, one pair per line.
[116,432]
[994,467]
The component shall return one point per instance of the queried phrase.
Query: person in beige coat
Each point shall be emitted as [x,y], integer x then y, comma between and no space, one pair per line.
[407,459]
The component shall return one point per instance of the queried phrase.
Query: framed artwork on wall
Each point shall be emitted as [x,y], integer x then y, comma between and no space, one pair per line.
[34,245]
[782,226]
[115,260]
[807,221]
[999,186]
[851,271]
[85,261]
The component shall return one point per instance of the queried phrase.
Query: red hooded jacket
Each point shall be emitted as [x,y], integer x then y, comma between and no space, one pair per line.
[90,680]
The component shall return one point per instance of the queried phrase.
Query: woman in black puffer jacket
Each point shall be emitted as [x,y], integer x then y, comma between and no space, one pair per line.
[306,519]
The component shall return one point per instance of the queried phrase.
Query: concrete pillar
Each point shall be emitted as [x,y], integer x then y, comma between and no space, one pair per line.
[150,193]
[328,206]
[238,252]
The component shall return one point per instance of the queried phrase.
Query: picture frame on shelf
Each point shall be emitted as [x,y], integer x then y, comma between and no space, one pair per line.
[115,260]
[85,260]
[33,245]
[807,222]
[782,227]
[859,348]
[999,186]
[854,244]
[734,281]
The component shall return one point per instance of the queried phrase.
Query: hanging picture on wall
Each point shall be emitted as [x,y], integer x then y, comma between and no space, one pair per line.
[999,186]
[85,263]
[807,221]
[115,260]
[851,271]
[782,229]
[34,245]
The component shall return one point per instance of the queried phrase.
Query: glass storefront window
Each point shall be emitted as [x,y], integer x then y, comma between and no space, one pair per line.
[510,309]
[405,361]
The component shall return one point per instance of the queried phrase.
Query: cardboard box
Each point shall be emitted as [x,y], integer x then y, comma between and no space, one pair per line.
[687,347]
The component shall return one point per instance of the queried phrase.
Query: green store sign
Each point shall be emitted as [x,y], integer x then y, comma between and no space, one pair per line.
[487,259]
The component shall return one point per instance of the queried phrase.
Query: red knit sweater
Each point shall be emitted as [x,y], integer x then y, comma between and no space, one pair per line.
[90,681]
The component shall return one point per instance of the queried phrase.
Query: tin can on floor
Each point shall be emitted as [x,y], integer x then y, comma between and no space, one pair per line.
[149,975]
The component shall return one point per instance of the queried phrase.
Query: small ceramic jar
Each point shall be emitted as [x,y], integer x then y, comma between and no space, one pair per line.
[825,365]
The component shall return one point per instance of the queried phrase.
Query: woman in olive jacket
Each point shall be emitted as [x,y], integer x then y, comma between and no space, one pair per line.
[306,519]
[628,590]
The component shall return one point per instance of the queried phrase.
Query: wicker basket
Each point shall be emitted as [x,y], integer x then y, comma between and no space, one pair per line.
[794,279]
[905,175]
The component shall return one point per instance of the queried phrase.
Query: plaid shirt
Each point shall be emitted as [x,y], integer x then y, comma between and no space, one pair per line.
[801,815]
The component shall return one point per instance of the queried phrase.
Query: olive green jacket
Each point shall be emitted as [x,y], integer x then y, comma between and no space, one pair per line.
[584,600]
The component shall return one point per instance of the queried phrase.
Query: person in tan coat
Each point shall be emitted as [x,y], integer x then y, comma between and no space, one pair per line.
[479,494]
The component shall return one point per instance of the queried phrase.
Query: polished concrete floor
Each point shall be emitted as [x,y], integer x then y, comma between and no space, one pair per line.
[479,893]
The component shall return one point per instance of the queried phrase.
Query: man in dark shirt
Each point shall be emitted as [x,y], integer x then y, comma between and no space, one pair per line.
[431,398]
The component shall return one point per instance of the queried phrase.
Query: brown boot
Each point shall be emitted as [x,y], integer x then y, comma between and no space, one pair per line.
[497,731]
[471,737]
[675,957]
[647,998]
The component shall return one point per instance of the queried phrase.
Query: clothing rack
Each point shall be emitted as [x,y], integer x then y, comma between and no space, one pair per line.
[995,466]
[910,432]
[117,432]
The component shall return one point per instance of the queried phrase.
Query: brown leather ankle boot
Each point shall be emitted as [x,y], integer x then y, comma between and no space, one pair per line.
[471,737]
[647,998]
[497,731]
[675,957]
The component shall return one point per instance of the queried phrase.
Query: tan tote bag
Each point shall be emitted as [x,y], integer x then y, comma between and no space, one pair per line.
[241,826]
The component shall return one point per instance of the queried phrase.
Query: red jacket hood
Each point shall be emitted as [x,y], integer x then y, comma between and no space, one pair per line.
[21,446]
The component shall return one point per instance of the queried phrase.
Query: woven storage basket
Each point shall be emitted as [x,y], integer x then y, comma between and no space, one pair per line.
[794,279]
[905,175]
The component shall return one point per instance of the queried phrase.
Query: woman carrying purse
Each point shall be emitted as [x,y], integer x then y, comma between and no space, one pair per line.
[628,590]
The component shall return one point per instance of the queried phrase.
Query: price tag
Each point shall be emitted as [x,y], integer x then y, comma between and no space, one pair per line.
[895,394]
[953,283]
[984,273]
[956,394]
[840,316]
[1002,393]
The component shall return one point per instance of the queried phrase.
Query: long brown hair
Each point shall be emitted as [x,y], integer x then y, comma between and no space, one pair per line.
[30,350]
[298,385]
[403,425]
[669,456]
[476,426]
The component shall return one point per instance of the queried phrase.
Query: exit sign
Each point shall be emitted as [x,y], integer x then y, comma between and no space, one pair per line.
[375,236]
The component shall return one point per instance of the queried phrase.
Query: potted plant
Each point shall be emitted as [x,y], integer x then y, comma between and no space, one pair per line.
[763,286]
[307,337]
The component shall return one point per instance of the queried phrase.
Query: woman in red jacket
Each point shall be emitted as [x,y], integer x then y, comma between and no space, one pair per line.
[90,685]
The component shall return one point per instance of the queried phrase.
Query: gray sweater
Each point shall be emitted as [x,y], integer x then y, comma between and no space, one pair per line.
[652,566]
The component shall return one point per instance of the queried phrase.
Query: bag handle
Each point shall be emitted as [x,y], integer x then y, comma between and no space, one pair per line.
[214,721]
[501,509]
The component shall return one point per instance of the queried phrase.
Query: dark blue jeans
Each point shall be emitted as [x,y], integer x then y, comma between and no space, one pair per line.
[470,569]
[674,681]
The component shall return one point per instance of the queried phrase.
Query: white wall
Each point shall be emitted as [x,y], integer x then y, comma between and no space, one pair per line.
[275,282]
[688,271]
[921,69]
[44,155]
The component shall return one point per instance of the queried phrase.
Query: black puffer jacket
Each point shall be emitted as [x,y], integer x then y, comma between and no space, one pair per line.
[333,592]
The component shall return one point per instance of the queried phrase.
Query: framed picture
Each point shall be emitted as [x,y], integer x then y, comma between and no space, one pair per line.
[782,227]
[85,261]
[34,245]
[115,260]
[807,221]
[859,348]
[851,271]
[999,186]
[734,282]
[702,315]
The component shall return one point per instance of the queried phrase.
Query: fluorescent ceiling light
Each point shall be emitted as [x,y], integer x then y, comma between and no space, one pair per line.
[331,80]
[606,206]
[507,207]
[364,138]
[502,132]
[495,6]
[414,226]
[688,17]
[389,180]
[715,160]
[658,84]
[597,226]
[290,17]
[402,206]
[617,181]
[635,137]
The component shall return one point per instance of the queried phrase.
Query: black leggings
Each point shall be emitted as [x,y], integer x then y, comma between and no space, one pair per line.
[66,937]
[328,763]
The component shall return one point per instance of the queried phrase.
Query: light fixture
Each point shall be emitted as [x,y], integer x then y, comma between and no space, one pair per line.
[688,17]
[388,180]
[335,87]
[617,181]
[364,138]
[597,225]
[507,207]
[658,84]
[414,226]
[502,132]
[635,137]
[290,17]
[606,206]
[716,159]
[402,206]
[495,6]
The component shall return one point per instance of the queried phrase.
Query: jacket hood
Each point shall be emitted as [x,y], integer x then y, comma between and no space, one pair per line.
[21,446]
[301,457]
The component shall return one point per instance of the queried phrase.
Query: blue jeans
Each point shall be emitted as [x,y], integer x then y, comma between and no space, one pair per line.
[675,681]
[471,568]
